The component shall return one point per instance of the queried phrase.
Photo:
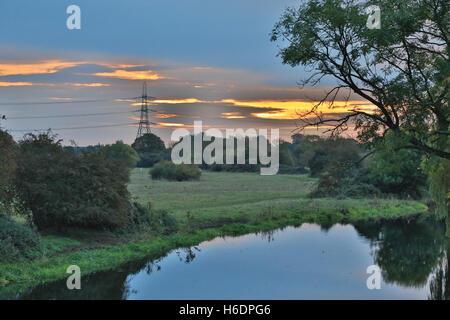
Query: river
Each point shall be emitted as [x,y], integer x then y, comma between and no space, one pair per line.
[306,262]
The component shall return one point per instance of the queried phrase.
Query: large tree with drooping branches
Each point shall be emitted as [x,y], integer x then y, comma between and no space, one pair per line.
[402,69]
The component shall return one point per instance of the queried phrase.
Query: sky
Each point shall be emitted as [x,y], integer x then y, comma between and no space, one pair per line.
[202,60]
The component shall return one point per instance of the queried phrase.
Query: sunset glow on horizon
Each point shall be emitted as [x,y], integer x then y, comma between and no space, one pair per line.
[92,80]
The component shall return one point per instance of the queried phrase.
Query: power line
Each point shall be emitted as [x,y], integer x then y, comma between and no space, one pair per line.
[71,115]
[25,103]
[77,128]
[144,123]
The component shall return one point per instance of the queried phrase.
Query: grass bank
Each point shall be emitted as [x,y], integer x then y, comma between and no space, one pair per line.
[219,204]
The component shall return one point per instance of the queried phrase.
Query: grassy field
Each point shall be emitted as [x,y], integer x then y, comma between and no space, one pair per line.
[219,204]
[221,197]
[217,193]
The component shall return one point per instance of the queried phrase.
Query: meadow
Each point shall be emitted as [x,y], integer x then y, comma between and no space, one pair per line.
[220,197]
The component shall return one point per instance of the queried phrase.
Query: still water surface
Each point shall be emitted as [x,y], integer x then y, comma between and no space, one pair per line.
[307,262]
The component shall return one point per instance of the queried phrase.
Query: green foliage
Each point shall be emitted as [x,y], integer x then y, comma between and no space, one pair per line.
[149,159]
[285,153]
[163,223]
[344,181]
[7,165]
[65,189]
[331,152]
[397,172]
[151,149]
[388,171]
[286,157]
[438,171]
[173,172]
[123,152]
[17,241]
[401,68]
[304,148]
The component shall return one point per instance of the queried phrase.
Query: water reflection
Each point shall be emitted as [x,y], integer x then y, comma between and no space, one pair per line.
[411,254]
[440,281]
[406,251]
[189,254]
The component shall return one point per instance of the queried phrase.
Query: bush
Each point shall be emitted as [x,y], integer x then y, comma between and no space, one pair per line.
[159,222]
[173,172]
[149,159]
[17,241]
[344,181]
[64,189]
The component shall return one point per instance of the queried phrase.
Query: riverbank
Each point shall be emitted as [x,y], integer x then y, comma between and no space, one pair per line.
[219,204]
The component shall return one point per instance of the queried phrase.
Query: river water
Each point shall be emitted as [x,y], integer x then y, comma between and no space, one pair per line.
[307,262]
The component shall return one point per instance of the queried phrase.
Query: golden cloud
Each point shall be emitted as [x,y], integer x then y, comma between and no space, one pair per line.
[40,67]
[171,124]
[130,75]
[291,109]
[14,84]
[177,101]
[232,115]
[165,115]
[95,84]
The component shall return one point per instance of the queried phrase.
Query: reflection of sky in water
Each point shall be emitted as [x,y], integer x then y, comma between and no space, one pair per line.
[301,263]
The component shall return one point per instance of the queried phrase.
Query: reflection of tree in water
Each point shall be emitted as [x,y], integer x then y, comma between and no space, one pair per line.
[112,284]
[269,235]
[102,285]
[406,251]
[440,282]
[189,254]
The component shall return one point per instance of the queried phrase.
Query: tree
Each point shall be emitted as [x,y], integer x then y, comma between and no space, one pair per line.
[122,152]
[285,154]
[401,69]
[150,148]
[148,143]
[7,164]
[305,146]
[326,153]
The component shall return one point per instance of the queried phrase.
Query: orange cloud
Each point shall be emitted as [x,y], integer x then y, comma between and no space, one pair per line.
[291,109]
[130,75]
[165,115]
[14,84]
[170,124]
[60,99]
[40,67]
[177,101]
[232,115]
[95,84]
[118,65]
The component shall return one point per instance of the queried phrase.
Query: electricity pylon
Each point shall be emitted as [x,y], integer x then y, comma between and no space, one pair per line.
[144,123]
